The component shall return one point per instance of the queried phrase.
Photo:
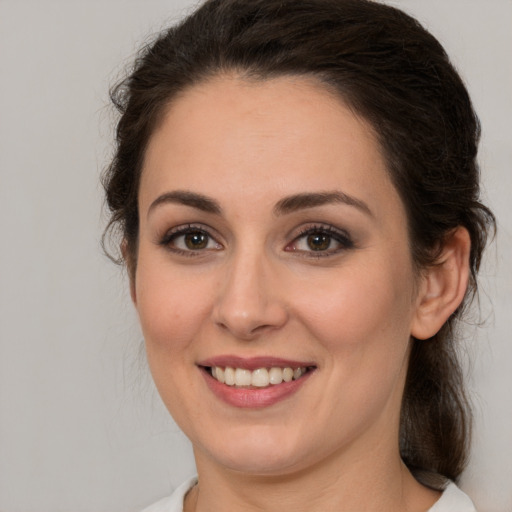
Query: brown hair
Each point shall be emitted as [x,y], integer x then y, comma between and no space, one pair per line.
[397,76]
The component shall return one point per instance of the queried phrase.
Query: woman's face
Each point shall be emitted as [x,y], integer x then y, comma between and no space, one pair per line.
[273,242]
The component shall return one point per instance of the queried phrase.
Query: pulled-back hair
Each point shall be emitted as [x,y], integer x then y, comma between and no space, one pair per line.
[391,72]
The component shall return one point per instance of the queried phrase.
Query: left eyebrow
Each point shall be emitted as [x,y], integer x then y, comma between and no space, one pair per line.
[310,200]
[187,198]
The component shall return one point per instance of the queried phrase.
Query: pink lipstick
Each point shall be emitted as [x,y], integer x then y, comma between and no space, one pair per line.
[254,382]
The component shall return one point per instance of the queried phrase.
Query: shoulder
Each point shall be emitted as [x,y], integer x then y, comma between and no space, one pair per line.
[453,500]
[174,502]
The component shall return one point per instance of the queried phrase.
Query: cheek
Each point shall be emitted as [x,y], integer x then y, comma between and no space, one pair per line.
[170,307]
[363,325]
[363,310]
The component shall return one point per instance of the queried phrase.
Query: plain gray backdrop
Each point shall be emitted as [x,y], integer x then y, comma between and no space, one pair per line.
[81,427]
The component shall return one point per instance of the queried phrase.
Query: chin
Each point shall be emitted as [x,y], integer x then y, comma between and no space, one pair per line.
[257,453]
[260,463]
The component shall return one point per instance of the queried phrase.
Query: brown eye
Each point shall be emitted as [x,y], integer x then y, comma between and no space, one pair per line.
[196,240]
[190,240]
[319,241]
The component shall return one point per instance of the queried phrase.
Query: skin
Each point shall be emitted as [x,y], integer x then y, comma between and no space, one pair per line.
[258,289]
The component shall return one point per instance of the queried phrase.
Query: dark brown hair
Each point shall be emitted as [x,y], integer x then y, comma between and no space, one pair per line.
[397,76]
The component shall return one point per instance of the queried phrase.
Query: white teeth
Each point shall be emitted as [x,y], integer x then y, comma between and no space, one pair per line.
[260,378]
[242,377]
[275,375]
[287,374]
[219,374]
[229,376]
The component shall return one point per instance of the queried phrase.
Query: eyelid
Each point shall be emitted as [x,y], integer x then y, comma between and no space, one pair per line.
[341,236]
[171,234]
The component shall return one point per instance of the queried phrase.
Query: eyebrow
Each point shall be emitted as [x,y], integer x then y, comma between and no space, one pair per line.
[285,206]
[310,200]
[186,198]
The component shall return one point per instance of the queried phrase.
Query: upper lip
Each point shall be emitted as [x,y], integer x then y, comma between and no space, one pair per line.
[253,363]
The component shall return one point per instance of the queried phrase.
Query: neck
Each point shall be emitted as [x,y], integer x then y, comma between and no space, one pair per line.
[378,483]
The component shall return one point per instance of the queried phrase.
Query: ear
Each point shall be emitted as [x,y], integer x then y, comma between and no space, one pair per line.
[443,285]
[130,267]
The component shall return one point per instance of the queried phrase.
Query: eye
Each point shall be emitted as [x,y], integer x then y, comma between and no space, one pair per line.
[190,239]
[318,241]
[321,240]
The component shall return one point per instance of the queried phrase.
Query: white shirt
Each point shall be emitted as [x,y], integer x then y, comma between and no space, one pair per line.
[452,500]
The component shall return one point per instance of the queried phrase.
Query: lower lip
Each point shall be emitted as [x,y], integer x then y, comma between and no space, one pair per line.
[253,398]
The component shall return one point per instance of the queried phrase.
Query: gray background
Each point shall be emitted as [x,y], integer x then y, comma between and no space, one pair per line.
[81,428]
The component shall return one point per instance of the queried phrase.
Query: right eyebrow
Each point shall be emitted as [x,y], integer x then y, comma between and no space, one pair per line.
[192,199]
[311,200]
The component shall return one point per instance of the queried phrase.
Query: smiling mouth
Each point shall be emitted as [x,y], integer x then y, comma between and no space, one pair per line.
[258,378]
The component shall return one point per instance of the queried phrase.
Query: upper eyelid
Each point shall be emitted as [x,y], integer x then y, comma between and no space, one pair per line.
[329,229]
[341,236]
[190,226]
[182,229]
[325,228]
[292,236]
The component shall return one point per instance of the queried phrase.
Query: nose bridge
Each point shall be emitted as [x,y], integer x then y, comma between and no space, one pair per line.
[248,302]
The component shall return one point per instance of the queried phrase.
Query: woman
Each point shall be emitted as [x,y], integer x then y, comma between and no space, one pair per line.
[296,187]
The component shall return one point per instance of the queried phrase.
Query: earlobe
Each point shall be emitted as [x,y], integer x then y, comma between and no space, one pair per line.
[443,286]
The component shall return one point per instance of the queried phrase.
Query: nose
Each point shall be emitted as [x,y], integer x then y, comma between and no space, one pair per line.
[250,301]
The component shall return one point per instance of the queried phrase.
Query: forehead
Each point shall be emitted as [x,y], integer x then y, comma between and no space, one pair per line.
[262,138]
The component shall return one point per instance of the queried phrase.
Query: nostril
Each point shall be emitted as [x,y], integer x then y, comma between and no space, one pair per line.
[246,330]
[261,328]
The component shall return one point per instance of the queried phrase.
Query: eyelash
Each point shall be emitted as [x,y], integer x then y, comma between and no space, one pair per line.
[172,235]
[340,237]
